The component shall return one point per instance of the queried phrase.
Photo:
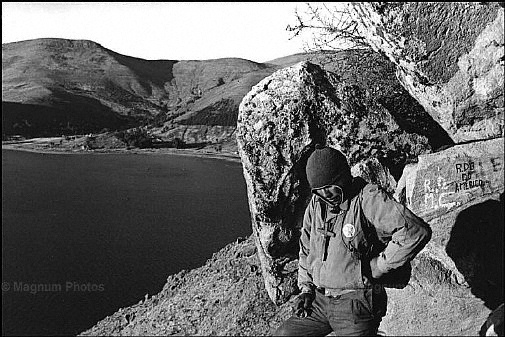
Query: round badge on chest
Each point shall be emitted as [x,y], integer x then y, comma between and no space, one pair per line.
[348,230]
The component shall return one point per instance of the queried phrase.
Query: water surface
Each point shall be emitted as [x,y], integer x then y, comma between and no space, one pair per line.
[101,231]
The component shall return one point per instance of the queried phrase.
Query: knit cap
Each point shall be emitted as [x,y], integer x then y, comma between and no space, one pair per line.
[327,166]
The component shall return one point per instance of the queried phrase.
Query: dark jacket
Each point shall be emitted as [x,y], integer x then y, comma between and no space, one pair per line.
[368,224]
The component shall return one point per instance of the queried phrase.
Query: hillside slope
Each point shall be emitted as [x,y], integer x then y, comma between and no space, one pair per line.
[59,81]
[224,297]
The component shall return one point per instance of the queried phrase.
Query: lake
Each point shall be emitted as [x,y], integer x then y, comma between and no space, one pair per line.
[86,234]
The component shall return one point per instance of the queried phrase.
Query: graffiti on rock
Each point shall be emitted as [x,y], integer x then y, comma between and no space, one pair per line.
[447,186]
[436,193]
[468,177]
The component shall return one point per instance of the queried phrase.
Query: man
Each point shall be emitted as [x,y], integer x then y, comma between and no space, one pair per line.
[354,234]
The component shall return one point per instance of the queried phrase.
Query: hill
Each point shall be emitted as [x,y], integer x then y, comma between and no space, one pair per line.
[57,86]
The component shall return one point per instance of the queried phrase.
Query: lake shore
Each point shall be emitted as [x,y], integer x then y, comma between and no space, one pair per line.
[43,145]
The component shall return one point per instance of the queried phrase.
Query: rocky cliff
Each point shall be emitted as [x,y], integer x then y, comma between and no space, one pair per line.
[283,116]
[449,57]
[458,278]
[441,154]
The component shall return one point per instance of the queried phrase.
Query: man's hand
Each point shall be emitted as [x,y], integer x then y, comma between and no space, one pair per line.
[303,304]
[376,273]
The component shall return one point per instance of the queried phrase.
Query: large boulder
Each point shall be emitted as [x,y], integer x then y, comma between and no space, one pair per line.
[457,280]
[376,74]
[450,57]
[453,177]
[279,122]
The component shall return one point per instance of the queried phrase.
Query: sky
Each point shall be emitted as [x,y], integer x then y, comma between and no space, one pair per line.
[162,30]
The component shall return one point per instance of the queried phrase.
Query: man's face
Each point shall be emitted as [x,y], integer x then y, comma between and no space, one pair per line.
[332,194]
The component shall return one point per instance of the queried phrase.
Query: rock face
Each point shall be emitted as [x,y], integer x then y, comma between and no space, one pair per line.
[451,178]
[375,73]
[457,280]
[450,57]
[374,172]
[279,122]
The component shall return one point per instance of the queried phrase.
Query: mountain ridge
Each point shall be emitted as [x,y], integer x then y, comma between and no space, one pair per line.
[73,75]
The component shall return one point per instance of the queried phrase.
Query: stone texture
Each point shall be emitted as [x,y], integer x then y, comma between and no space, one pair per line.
[453,177]
[450,57]
[376,74]
[457,280]
[279,122]
[373,171]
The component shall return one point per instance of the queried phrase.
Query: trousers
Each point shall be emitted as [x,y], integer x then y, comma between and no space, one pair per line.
[358,313]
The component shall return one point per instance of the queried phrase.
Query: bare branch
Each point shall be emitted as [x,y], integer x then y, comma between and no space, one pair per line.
[332,27]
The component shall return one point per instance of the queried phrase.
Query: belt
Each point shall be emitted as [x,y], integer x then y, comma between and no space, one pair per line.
[334,292]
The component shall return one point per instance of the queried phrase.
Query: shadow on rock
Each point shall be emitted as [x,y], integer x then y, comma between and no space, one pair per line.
[476,246]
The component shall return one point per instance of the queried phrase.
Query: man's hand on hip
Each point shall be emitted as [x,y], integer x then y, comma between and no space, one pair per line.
[303,304]
[376,273]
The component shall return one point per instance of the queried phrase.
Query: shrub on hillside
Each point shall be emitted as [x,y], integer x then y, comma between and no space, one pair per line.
[136,137]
